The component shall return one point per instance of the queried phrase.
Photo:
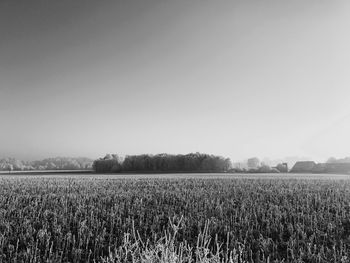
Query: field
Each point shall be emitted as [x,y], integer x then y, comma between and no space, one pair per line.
[174,218]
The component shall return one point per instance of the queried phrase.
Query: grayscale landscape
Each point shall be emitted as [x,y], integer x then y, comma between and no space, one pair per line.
[183,131]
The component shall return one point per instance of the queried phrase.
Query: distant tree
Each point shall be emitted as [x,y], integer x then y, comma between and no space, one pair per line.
[108,157]
[116,167]
[117,157]
[341,160]
[264,169]
[58,163]
[51,166]
[208,164]
[332,160]
[163,162]
[253,163]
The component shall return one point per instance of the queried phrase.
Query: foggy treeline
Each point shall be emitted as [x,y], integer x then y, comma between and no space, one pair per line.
[340,160]
[192,162]
[57,163]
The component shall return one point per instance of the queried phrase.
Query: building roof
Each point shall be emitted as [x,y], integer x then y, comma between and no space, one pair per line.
[303,167]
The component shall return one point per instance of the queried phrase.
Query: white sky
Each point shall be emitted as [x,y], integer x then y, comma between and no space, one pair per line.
[235,78]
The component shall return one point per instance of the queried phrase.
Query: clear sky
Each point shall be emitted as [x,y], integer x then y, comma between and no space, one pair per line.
[235,78]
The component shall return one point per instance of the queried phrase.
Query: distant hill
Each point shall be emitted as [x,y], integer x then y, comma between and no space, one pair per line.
[57,163]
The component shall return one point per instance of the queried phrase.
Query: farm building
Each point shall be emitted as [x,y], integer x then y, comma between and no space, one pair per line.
[303,167]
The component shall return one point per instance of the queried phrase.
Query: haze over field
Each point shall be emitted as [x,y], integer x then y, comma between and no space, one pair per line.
[233,78]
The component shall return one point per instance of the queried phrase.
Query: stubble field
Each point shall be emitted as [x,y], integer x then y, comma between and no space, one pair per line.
[174,218]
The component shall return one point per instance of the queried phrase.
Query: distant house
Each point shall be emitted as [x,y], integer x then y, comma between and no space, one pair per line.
[303,167]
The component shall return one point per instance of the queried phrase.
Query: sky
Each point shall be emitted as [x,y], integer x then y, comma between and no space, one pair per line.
[233,78]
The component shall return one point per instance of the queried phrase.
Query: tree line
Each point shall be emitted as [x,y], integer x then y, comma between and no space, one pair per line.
[192,162]
[57,163]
